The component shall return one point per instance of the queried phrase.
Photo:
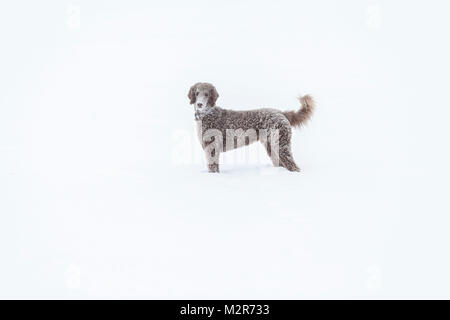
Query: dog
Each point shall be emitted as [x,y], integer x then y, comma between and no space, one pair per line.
[220,130]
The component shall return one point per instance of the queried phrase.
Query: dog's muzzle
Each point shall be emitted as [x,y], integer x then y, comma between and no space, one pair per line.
[199,107]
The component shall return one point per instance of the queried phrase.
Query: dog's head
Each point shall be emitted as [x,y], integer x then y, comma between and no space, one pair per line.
[203,95]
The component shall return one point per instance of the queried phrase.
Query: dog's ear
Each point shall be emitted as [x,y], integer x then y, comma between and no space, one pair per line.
[213,95]
[191,93]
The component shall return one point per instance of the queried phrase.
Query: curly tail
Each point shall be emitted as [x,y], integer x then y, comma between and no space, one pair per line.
[300,117]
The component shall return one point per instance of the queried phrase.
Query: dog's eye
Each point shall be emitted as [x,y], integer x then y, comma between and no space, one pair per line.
[206,94]
[196,93]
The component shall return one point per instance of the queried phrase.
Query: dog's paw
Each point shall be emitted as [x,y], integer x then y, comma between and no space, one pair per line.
[213,168]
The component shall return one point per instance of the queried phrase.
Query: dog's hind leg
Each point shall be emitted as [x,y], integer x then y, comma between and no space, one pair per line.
[286,158]
[278,147]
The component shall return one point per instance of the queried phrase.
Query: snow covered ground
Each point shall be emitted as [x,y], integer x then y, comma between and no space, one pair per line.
[103,189]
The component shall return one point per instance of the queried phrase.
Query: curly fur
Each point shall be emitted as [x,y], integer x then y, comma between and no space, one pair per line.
[236,127]
[300,117]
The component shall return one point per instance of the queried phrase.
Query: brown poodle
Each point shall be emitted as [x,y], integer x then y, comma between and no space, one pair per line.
[221,130]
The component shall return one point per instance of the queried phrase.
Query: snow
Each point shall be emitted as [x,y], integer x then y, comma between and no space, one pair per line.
[104,190]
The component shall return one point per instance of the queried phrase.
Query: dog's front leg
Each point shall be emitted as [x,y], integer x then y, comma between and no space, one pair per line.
[213,144]
[212,158]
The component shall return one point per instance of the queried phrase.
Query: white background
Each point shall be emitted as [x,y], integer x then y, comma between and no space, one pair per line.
[103,193]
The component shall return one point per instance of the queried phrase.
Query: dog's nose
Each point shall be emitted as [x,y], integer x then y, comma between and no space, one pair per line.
[199,105]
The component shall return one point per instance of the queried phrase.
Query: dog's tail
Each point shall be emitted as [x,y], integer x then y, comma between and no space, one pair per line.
[300,117]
